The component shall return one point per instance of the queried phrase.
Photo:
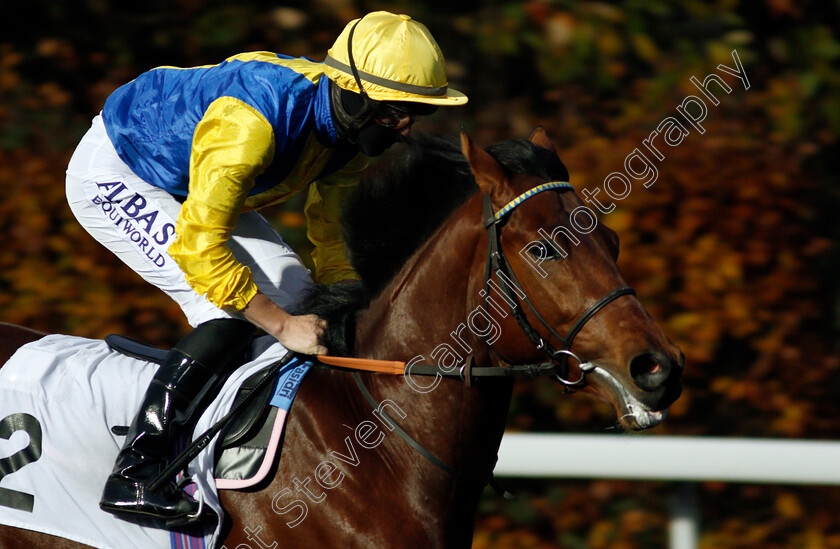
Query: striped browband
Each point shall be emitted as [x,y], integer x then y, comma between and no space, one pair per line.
[498,216]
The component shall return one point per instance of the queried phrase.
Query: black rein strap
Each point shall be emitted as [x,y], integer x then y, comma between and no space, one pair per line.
[479,482]
[498,265]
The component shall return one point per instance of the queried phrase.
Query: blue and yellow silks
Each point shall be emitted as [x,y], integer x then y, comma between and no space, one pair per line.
[249,132]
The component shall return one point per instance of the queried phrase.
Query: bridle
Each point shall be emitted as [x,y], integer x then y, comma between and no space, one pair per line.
[557,366]
[498,265]
[499,276]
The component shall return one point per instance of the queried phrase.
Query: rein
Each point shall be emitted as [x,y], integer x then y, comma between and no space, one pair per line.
[557,366]
[510,288]
[496,264]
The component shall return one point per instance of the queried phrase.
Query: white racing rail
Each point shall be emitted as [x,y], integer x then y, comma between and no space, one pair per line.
[671,458]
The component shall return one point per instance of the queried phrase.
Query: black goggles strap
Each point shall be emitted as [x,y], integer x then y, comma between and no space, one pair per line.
[369,106]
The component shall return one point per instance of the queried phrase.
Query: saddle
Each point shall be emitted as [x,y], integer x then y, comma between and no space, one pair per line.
[244,440]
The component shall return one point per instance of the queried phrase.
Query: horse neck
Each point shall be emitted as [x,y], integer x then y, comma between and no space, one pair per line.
[419,312]
[428,297]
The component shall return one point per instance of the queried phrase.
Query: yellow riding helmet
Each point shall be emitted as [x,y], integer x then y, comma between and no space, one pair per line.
[396,58]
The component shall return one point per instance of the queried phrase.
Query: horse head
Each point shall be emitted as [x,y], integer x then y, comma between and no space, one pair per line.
[552,283]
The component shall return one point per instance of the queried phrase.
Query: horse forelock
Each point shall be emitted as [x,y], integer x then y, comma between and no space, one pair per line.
[520,156]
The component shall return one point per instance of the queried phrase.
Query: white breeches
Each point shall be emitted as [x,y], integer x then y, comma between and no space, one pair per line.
[136,221]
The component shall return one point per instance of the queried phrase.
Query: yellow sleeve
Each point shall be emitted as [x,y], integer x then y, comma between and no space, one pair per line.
[323,210]
[232,144]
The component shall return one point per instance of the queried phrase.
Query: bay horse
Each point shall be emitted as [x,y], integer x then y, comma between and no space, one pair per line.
[450,245]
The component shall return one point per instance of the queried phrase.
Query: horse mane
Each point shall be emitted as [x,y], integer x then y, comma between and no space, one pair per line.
[395,209]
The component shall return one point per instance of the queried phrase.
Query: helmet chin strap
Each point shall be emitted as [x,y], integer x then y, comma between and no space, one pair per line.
[372,139]
[344,125]
[352,124]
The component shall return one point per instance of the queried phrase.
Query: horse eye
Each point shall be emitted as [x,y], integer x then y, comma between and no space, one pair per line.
[542,250]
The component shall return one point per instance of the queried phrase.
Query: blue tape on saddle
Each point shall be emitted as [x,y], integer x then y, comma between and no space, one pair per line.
[288,382]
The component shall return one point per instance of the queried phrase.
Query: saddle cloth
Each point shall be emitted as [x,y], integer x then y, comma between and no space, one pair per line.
[59,398]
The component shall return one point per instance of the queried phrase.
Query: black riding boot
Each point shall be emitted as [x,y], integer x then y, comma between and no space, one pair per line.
[197,364]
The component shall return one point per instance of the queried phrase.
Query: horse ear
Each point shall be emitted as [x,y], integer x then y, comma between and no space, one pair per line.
[488,173]
[540,138]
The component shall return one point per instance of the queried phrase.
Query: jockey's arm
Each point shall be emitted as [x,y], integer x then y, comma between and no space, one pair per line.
[323,216]
[298,333]
[232,144]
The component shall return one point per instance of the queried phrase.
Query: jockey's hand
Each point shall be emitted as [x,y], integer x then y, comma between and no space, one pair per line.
[302,334]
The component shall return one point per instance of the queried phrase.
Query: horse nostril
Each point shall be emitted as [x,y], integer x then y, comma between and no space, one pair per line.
[650,370]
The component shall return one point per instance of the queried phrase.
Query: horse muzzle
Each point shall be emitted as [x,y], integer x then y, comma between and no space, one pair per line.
[656,385]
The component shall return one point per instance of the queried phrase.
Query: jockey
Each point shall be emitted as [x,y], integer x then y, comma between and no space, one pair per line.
[170,174]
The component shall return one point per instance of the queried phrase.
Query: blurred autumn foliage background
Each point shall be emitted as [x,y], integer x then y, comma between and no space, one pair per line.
[734,249]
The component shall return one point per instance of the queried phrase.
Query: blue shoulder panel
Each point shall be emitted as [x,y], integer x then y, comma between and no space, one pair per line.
[151,120]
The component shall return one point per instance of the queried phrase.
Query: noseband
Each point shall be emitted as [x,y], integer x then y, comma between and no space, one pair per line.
[498,265]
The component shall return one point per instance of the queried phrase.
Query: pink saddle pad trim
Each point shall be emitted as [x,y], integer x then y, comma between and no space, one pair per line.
[268,460]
